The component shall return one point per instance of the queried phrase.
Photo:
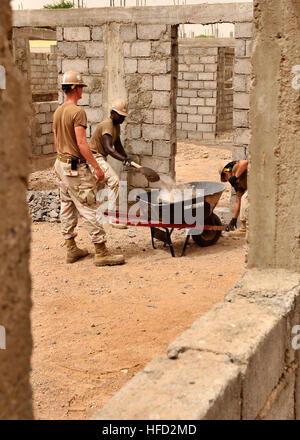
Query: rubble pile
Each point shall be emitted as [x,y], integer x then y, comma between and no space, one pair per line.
[44,206]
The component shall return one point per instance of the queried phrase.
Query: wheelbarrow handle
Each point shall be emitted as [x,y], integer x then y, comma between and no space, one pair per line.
[135,165]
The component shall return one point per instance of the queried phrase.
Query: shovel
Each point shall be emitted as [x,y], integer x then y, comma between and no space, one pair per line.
[150,174]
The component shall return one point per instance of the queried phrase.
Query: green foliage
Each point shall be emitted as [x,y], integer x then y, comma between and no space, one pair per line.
[204,36]
[62,4]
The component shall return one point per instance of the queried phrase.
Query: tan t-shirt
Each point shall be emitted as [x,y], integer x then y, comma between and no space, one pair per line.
[105,127]
[65,119]
[241,185]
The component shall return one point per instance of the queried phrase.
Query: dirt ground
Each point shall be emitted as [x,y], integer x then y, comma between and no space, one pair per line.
[94,328]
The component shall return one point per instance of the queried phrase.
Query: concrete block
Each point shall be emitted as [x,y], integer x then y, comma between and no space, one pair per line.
[152,66]
[210,136]
[195,135]
[162,116]
[194,118]
[189,126]
[242,136]
[141,49]
[210,119]
[249,45]
[244,30]
[94,115]
[162,82]
[146,82]
[241,101]
[206,76]
[139,146]
[50,139]
[240,48]
[156,132]
[96,65]
[40,140]
[67,49]
[44,107]
[241,118]
[205,93]
[197,101]
[80,66]
[54,106]
[211,67]
[135,131]
[239,153]
[182,117]
[161,48]
[208,60]
[211,85]
[130,65]
[242,66]
[239,83]
[196,68]
[97,33]
[196,84]
[161,165]
[183,101]
[59,33]
[150,31]
[189,93]
[183,68]
[48,149]
[189,110]
[128,32]
[164,149]
[183,84]
[205,127]
[206,110]
[161,99]
[211,102]
[77,33]
[85,99]
[46,128]
[96,99]
[190,76]
[94,49]
[41,117]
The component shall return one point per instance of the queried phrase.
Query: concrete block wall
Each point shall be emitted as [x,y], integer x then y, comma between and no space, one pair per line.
[241,84]
[197,92]
[225,89]
[236,362]
[43,72]
[42,138]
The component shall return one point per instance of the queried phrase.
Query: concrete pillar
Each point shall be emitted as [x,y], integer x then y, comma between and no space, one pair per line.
[274,182]
[15,335]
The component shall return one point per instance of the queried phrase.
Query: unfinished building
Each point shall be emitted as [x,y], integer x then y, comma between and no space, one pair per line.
[237,361]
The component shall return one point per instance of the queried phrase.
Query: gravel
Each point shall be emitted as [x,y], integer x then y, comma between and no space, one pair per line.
[44,206]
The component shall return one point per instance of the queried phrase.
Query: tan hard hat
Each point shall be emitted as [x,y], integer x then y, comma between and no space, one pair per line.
[120,106]
[71,77]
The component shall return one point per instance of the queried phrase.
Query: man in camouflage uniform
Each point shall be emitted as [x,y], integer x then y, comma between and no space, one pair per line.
[77,182]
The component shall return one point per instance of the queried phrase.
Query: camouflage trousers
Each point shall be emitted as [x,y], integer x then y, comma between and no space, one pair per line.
[78,192]
[107,189]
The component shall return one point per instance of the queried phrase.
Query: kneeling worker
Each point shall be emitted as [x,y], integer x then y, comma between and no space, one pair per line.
[106,141]
[76,181]
[236,174]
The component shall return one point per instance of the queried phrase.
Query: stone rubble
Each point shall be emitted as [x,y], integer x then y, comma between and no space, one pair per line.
[44,206]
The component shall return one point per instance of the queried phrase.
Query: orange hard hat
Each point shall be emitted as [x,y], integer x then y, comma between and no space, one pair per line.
[120,106]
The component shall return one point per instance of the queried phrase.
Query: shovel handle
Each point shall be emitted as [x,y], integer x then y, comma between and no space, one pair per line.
[135,165]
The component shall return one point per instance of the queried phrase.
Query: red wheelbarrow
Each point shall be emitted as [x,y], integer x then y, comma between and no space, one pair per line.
[153,210]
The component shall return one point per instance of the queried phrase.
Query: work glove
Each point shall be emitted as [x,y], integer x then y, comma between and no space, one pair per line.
[232,225]
[127,162]
[233,181]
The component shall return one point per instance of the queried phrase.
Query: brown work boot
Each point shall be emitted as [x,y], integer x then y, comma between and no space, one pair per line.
[73,252]
[104,258]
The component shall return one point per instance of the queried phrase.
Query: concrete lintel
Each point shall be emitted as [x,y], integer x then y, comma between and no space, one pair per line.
[207,42]
[35,33]
[171,15]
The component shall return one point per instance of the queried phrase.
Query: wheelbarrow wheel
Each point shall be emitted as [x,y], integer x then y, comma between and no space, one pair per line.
[208,238]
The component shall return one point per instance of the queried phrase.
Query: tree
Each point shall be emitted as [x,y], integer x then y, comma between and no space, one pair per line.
[62,4]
